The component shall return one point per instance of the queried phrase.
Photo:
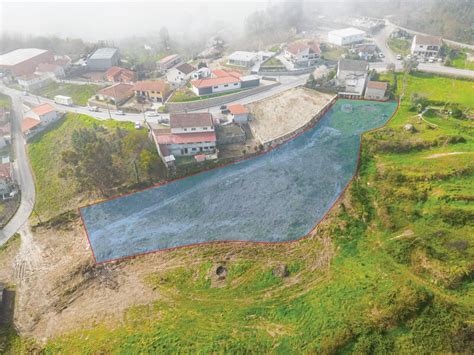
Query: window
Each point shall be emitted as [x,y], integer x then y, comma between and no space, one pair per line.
[193,129]
[226,85]
[194,149]
[204,128]
[235,84]
[215,87]
[185,129]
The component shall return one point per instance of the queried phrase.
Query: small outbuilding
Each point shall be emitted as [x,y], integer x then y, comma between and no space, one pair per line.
[239,113]
[376,90]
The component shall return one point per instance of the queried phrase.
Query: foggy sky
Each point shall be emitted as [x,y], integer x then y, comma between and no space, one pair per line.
[117,19]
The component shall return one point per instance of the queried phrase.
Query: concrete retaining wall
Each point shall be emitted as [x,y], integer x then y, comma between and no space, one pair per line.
[216,101]
[287,72]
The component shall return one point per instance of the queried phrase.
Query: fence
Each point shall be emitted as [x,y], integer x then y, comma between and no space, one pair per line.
[216,101]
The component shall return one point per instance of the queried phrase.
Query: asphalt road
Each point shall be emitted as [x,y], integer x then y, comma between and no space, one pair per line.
[22,174]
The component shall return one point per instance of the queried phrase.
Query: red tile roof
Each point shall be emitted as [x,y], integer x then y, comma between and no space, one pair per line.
[43,109]
[28,123]
[380,85]
[198,119]
[151,85]
[5,171]
[185,138]
[125,74]
[119,91]
[186,68]
[219,73]
[168,58]
[428,40]
[237,109]
[205,83]
[5,129]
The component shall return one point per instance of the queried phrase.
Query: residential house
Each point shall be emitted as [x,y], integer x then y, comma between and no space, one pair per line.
[346,36]
[103,59]
[45,113]
[376,90]
[352,74]
[201,73]
[426,46]
[50,69]
[180,74]
[239,113]
[32,82]
[5,126]
[63,61]
[302,54]
[365,51]
[168,62]
[117,93]
[242,59]
[152,90]
[189,134]
[119,75]
[29,125]
[6,180]
[222,81]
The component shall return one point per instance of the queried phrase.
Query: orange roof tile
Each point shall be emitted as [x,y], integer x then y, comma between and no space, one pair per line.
[237,109]
[28,123]
[43,109]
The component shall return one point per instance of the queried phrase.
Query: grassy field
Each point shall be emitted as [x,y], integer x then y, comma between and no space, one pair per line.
[461,61]
[399,46]
[79,93]
[55,195]
[389,271]
[333,53]
[272,62]
[186,95]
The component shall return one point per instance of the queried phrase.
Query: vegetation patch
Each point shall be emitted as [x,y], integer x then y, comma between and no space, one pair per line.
[79,93]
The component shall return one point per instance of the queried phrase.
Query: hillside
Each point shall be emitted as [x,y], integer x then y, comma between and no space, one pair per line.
[389,270]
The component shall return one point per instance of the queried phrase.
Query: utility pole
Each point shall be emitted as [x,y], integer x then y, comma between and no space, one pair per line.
[107,103]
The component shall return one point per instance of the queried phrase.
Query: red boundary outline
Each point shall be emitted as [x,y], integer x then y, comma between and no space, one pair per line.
[234,162]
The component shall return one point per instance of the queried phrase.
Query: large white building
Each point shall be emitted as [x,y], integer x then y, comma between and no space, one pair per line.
[222,81]
[242,59]
[427,46]
[346,36]
[103,59]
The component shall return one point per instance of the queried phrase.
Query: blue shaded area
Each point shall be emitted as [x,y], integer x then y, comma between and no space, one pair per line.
[278,196]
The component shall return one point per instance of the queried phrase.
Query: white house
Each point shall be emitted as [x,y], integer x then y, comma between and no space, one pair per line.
[44,113]
[242,59]
[180,74]
[239,113]
[346,36]
[50,69]
[352,74]
[427,46]
[33,82]
[201,73]
[302,54]
[376,90]
[189,134]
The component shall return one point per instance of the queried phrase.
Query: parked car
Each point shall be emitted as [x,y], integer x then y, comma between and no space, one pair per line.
[409,56]
[119,112]
[93,108]
[399,56]
[431,60]
[440,60]
[381,55]
[138,125]
[151,114]
[25,93]
[225,111]
[163,120]
[223,107]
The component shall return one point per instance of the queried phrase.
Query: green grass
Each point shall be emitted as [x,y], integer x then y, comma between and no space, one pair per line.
[4,101]
[186,95]
[333,53]
[399,45]
[55,195]
[79,93]
[461,61]
[273,62]
[389,270]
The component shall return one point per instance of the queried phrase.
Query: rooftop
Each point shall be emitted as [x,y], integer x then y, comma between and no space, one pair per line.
[168,59]
[381,85]
[186,68]
[197,119]
[47,67]
[43,109]
[219,73]
[104,53]
[151,85]
[243,56]
[28,123]
[207,82]
[353,65]
[428,40]
[345,32]
[184,138]
[20,55]
[237,109]
[298,47]
[5,171]
[118,91]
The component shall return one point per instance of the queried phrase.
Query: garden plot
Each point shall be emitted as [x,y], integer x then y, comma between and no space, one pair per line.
[279,196]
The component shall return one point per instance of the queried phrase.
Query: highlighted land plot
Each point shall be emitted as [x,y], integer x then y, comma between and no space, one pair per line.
[278,196]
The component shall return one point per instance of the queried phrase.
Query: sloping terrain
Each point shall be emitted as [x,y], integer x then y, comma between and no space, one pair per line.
[389,270]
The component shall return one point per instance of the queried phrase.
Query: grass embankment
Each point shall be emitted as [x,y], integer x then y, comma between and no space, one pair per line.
[55,195]
[461,61]
[333,53]
[186,95]
[79,93]
[399,45]
[390,270]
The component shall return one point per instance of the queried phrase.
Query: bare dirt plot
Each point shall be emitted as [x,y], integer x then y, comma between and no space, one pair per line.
[285,112]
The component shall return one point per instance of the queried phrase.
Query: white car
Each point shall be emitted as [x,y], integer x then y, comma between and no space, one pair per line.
[399,56]
[152,114]
[381,55]
[138,125]
[93,108]
[120,112]
[409,56]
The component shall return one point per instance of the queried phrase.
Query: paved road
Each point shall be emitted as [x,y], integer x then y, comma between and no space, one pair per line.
[22,173]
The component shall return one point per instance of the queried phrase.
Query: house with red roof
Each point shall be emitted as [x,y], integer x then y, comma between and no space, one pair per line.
[38,116]
[168,62]
[222,81]
[52,70]
[239,113]
[152,90]
[302,54]
[116,94]
[6,180]
[118,74]
[189,134]
[376,90]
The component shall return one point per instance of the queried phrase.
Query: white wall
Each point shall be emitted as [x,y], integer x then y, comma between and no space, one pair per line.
[175,149]
[222,87]
[193,129]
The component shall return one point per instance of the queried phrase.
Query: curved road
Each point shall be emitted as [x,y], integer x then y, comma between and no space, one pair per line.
[22,173]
